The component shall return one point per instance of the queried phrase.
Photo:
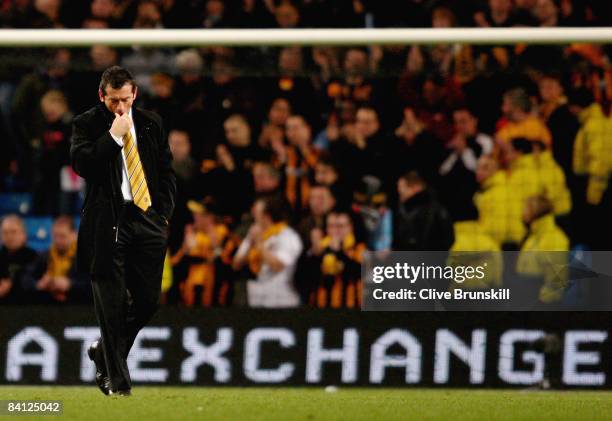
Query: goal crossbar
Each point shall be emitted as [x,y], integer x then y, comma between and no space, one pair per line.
[306,37]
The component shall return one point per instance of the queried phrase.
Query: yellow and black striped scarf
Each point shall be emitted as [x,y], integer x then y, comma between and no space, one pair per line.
[59,264]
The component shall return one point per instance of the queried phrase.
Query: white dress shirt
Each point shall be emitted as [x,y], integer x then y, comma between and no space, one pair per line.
[275,289]
[126,189]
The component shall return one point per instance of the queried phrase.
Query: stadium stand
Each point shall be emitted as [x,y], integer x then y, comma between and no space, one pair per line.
[38,229]
[20,203]
[486,128]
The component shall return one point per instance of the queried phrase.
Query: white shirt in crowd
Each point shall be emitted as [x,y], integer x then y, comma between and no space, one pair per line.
[126,190]
[275,289]
[468,157]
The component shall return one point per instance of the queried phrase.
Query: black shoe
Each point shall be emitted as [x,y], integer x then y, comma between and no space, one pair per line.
[124,393]
[102,379]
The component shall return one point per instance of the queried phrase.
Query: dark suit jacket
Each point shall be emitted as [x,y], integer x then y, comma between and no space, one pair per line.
[97,158]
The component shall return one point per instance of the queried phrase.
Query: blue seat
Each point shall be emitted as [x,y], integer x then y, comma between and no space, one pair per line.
[19,203]
[39,232]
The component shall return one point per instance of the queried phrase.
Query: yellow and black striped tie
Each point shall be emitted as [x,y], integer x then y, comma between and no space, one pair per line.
[136,175]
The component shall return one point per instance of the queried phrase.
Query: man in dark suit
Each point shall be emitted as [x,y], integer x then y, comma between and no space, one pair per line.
[123,154]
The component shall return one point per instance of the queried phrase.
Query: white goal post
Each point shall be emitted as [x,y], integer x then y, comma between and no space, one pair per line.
[252,37]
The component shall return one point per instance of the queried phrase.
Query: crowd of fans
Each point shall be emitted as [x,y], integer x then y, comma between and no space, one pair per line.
[292,162]
[100,14]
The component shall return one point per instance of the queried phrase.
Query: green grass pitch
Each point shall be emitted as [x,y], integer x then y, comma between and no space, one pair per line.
[174,403]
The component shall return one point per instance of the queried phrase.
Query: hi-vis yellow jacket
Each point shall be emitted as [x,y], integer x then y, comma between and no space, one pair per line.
[544,254]
[593,152]
[523,182]
[552,182]
[502,200]
[474,247]
[493,203]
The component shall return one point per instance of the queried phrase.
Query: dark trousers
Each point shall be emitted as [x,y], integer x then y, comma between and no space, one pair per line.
[127,298]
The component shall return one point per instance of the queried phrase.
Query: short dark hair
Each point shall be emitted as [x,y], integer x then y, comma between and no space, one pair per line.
[342,210]
[553,74]
[327,159]
[116,77]
[466,108]
[320,186]
[276,207]
[325,187]
[413,178]
[270,169]
[519,98]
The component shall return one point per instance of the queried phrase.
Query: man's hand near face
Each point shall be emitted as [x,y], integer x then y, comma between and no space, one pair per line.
[458,143]
[5,287]
[121,125]
[44,283]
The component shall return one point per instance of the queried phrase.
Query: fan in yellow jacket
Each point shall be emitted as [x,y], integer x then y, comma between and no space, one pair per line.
[523,181]
[593,152]
[533,171]
[552,181]
[492,202]
[474,247]
[544,254]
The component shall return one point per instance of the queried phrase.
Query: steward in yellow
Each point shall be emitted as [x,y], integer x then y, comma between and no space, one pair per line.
[474,247]
[544,253]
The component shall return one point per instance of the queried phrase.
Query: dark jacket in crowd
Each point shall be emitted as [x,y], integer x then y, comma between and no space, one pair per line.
[458,182]
[563,126]
[424,155]
[422,224]
[14,266]
[377,158]
[54,154]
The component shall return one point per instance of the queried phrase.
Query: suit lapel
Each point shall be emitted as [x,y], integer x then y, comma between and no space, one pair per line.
[106,123]
[140,125]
